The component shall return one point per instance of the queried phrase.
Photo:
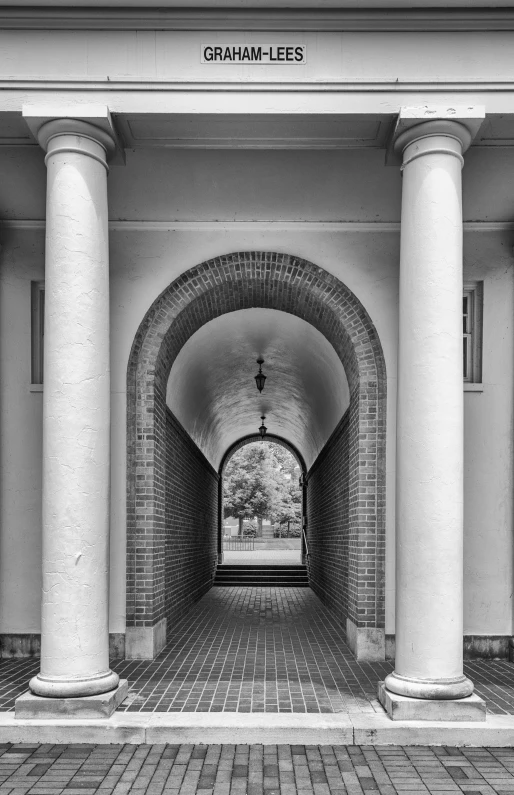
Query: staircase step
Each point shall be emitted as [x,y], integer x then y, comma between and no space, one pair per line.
[262,575]
[261,583]
[285,567]
[259,577]
[288,572]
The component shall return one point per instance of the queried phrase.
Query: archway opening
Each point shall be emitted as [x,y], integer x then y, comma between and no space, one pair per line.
[192,398]
[262,506]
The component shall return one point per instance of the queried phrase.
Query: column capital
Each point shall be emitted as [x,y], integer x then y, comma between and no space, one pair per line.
[90,121]
[416,122]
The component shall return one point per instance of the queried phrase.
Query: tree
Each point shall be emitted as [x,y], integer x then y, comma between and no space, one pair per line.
[261,479]
[287,505]
[248,483]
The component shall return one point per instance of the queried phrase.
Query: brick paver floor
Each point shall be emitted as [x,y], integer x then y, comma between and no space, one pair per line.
[253,770]
[260,650]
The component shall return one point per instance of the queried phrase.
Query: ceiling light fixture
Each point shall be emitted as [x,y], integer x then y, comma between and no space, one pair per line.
[263,429]
[260,378]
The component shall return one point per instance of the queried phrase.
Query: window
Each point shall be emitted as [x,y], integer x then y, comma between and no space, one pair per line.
[37,326]
[472,302]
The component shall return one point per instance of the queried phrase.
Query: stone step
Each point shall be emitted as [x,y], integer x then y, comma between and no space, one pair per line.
[262,567]
[263,573]
[262,583]
[288,575]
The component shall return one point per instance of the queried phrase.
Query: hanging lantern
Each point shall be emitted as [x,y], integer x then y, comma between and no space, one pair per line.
[263,429]
[260,378]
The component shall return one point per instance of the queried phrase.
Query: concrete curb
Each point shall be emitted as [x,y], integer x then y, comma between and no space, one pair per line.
[265,728]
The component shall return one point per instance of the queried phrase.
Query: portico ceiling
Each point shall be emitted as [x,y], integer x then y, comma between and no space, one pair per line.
[257,130]
[212,392]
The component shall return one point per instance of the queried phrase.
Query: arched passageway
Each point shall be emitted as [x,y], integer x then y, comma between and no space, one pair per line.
[177,439]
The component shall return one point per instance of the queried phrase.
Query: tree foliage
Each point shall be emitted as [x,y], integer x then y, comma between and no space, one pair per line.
[261,479]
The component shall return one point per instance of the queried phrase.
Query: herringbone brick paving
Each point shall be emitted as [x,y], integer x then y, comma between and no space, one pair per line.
[260,650]
[253,770]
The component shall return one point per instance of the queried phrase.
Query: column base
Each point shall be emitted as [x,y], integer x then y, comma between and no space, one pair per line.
[437,689]
[31,707]
[51,687]
[366,643]
[145,643]
[469,709]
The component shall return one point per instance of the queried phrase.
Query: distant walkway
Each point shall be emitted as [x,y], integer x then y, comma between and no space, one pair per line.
[264,557]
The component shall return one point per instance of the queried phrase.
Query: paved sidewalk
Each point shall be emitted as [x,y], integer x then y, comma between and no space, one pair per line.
[253,770]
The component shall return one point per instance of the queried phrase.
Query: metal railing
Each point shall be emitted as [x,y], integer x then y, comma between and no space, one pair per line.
[306,550]
[236,544]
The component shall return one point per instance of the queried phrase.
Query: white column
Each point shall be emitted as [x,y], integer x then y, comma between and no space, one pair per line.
[429,525]
[76,422]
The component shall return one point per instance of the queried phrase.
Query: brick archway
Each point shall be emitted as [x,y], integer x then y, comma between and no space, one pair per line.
[255,437]
[289,284]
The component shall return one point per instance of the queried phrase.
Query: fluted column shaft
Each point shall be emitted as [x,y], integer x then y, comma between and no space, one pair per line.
[76,415]
[429,558]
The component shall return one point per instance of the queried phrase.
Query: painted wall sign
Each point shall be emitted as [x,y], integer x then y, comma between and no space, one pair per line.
[254,54]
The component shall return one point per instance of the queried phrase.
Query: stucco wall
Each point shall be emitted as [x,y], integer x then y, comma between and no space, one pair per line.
[488,446]
[146,258]
[205,185]
[20,438]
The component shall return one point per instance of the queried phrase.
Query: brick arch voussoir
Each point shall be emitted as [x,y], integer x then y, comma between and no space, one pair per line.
[270,279]
[255,437]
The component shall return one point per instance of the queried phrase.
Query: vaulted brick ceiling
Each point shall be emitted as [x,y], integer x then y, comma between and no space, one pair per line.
[212,391]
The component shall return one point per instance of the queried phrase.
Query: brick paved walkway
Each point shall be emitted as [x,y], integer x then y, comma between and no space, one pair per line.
[253,770]
[256,650]
[260,650]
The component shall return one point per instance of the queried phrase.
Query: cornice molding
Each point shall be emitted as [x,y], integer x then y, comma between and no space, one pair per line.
[35,83]
[260,226]
[267,19]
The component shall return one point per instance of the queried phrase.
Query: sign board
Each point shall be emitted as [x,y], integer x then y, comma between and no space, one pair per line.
[287,54]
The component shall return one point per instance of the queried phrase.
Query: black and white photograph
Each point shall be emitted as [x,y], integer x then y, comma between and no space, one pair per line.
[256,397]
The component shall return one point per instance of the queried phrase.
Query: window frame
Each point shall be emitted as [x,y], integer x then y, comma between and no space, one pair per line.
[474,292]
[37,319]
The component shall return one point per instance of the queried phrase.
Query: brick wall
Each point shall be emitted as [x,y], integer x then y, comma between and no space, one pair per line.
[328,537]
[191,522]
[345,518]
